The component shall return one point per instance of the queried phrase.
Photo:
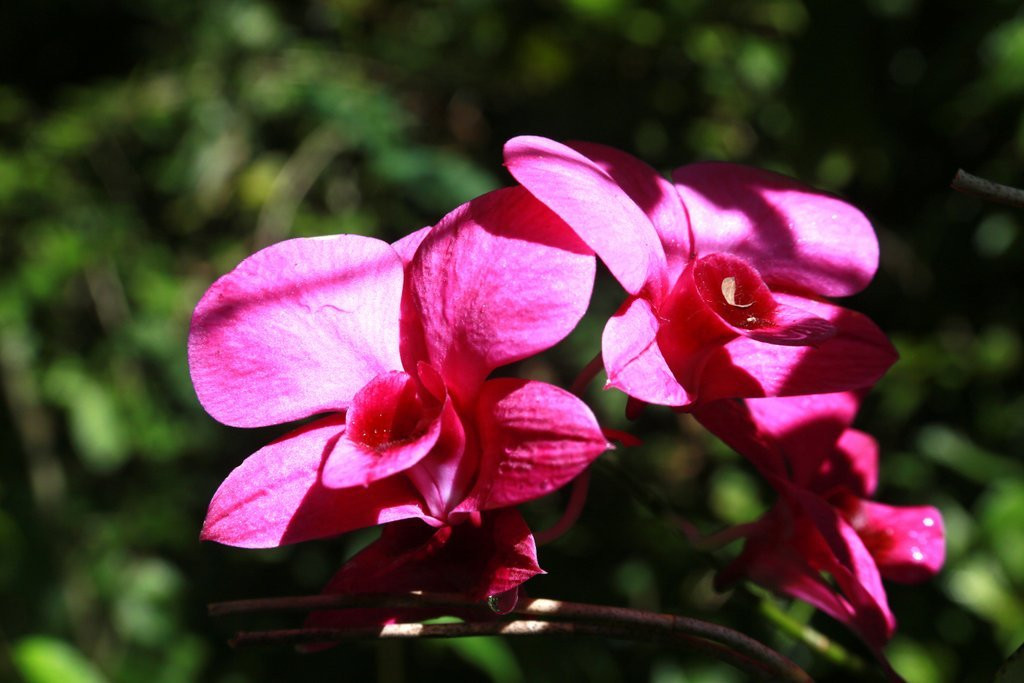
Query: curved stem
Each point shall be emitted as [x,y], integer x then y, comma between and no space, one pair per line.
[986,189]
[587,375]
[573,509]
[543,617]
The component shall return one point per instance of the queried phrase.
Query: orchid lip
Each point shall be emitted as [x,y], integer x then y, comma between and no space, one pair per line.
[389,412]
[734,290]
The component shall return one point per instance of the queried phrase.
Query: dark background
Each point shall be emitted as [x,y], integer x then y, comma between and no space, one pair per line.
[147,146]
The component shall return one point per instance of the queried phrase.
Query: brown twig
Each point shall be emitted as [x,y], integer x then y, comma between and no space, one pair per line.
[542,617]
[986,189]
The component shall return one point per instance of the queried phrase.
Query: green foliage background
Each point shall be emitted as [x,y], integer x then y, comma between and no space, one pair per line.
[146,147]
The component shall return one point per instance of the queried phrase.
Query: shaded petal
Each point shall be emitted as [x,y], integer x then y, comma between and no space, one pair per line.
[852,567]
[475,559]
[499,279]
[535,438]
[633,358]
[908,543]
[806,428]
[655,195]
[390,428]
[597,208]
[733,421]
[296,329]
[770,560]
[793,234]
[856,357]
[275,497]
[852,466]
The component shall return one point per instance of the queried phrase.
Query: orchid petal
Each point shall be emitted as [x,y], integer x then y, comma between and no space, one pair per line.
[737,295]
[805,427]
[597,208]
[652,193]
[908,543]
[852,466]
[471,559]
[856,357]
[497,280]
[770,560]
[535,438]
[790,326]
[852,567]
[733,421]
[296,329]
[445,475]
[275,496]
[390,429]
[633,358]
[407,246]
[792,234]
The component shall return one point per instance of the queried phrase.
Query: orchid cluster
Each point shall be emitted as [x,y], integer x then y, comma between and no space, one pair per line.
[387,355]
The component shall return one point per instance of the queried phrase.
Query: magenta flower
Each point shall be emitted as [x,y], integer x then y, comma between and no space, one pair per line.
[390,346]
[824,471]
[727,270]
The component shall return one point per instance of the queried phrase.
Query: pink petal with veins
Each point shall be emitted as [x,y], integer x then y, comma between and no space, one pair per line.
[275,496]
[792,234]
[598,209]
[296,329]
[655,195]
[497,280]
[856,357]
[633,358]
[535,439]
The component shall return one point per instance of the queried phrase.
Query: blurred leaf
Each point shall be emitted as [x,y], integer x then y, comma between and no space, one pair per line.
[492,656]
[951,449]
[43,659]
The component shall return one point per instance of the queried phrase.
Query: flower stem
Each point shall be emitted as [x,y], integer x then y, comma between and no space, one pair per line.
[986,189]
[817,641]
[573,509]
[587,375]
[541,617]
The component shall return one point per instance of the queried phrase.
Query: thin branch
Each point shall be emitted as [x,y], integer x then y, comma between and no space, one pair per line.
[526,627]
[309,603]
[986,189]
[587,374]
[573,509]
[565,617]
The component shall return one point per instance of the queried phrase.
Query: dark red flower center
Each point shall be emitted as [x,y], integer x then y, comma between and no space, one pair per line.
[388,411]
[734,290]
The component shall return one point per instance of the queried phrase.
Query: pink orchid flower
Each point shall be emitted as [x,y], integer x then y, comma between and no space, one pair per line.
[823,524]
[389,348]
[727,270]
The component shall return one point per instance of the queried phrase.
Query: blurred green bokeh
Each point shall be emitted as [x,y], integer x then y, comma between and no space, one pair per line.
[146,147]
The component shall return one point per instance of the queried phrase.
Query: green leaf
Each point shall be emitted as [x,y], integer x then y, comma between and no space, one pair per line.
[43,659]
[491,655]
